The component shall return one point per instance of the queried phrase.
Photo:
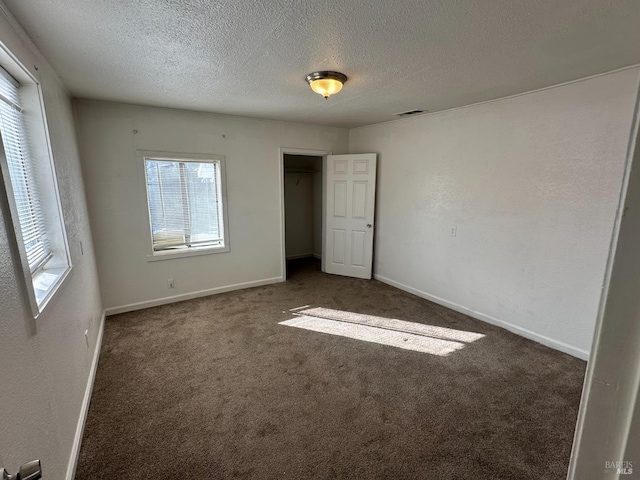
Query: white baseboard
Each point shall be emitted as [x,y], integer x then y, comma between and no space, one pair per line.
[188,296]
[523,332]
[77,441]
[299,255]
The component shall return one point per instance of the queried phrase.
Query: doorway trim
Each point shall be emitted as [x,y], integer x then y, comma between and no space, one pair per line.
[282,151]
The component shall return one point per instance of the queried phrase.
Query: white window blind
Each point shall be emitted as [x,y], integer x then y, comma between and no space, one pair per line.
[185,203]
[25,191]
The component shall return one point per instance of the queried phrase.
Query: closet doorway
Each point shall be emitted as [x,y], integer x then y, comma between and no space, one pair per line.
[303,208]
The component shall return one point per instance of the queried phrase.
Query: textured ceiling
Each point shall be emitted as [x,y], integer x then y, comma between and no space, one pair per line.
[250,57]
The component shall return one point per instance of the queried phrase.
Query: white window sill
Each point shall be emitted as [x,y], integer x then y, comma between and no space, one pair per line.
[46,283]
[182,253]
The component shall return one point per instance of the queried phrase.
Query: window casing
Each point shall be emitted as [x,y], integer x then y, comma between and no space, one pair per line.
[30,186]
[186,204]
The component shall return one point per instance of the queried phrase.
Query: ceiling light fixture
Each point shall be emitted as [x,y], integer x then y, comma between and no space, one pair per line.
[326,83]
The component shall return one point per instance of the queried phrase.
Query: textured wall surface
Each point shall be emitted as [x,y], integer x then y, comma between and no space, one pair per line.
[45,364]
[116,195]
[532,184]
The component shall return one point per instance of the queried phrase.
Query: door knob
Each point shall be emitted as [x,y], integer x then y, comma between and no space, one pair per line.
[368,225]
[28,471]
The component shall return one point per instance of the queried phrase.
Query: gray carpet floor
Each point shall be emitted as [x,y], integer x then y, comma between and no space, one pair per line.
[216,388]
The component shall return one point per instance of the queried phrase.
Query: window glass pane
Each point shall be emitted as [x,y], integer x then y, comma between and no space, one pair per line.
[184,203]
[25,191]
[203,205]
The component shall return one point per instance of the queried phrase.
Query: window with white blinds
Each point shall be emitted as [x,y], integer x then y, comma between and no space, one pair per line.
[25,189]
[185,200]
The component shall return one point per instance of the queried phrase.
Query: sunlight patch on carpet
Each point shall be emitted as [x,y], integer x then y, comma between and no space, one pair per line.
[385,331]
[394,324]
[298,308]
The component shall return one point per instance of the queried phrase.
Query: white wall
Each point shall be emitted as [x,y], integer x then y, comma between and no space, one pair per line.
[116,196]
[532,184]
[45,364]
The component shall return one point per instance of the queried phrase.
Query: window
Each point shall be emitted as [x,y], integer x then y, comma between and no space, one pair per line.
[25,190]
[185,198]
[31,189]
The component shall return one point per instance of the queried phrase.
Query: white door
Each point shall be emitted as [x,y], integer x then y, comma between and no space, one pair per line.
[350,204]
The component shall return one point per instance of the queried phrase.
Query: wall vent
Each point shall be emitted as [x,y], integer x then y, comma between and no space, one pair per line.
[409,113]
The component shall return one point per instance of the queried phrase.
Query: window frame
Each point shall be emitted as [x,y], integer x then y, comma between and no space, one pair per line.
[34,121]
[153,255]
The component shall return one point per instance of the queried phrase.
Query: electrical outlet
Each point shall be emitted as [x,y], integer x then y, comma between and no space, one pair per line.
[453,230]
[171,283]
